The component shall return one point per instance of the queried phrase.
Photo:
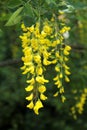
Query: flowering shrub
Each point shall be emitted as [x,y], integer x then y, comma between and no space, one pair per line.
[43,45]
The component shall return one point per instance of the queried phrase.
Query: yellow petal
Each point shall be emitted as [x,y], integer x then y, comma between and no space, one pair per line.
[57,54]
[56,78]
[39,70]
[37,58]
[42,89]
[55,94]
[59,85]
[66,59]
[37,106]
[56,83]
[63,98]
[31,81]
[23,68]
[66,52]
[67,79]
[30,97]
[61,90]
[54,61]
[67,72]
[57,69]
[41,80]
[68,48]
[61,75]
[43,97]
[46,62]
[29,88]
[30,105]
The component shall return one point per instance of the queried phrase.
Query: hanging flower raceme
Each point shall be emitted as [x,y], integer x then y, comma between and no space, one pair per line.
[79,106]
[42,46]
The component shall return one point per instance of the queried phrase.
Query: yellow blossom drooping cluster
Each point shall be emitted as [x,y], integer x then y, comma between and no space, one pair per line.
[79,106]
[42,46]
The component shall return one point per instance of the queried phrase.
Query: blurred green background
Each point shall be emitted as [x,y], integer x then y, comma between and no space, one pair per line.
[55,116]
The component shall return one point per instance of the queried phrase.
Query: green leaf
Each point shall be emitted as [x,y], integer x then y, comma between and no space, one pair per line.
[50,2]
[28,10]
[15,18]
[1,32]
[14,3]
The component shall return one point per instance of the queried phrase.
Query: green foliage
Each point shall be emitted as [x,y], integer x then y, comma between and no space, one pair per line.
[50,1]
[35,9]
[15,18]
[13,4]
[28,10]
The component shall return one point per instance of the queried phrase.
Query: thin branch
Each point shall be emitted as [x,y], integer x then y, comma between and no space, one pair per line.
[10,62]
[76,49]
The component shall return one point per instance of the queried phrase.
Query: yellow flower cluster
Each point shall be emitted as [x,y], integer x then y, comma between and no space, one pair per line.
[79,106]
[42,46]
[62,69]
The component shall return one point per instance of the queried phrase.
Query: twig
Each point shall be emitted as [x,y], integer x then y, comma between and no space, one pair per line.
[10,62]
[77,49]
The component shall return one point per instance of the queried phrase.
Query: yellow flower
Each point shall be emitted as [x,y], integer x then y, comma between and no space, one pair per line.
[43,34]
[56,42]
[66,67]
[46,62]
[61,90]
[68,48]
[61,75]
[85,90]
[47,29]
[39,70]
[31,69]
[45,53]
[23,67]
[64,29]
[30,105]
[56,94]
[37,58]
[56,78]
[67,79]
[31,81]
[29,88]
[67,72]
[42,89]
[25,71]
[27,52]
[66,59]
[43,97]
[34,44]
[37,30]
[25,40]
[57,68]
[73,110]
[66,52]
[37,106]
[31,29]
[23,27]
[30,97]
[27,60]
[63,98]
[41,80]
[57,54]
[53,61]
[59,84]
